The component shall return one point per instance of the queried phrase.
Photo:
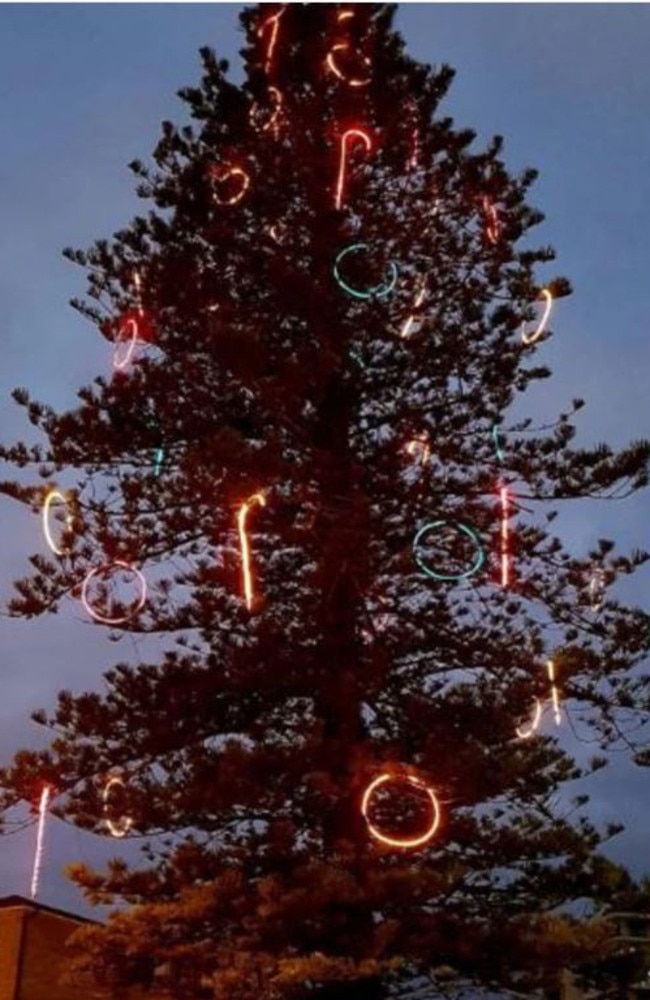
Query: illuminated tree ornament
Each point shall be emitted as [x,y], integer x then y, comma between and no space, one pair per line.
[376,291]
[348,135]
[268,120]
[333,67]
[531,338]
[492,221]
[222,175]
[525,734]
[124,824]
[496,439]
[274,22]
[448,577]
[127,332]
[52,497]
[420,446]
[401,842]
[504,497]
[103,570]
[159,457]
[408,324]
[344,15]
[597,588]
[260,499]
[40,839]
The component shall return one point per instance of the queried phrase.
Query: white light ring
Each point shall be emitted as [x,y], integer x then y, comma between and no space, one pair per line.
[121,363]
[405,843]
[127,821]
[119,619]
[333,68]
[532,338]
[534,726]
[49,499]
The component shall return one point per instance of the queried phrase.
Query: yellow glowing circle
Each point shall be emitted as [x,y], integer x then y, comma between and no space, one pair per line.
[52,497]
[126,822]
[531,338]
[401,842]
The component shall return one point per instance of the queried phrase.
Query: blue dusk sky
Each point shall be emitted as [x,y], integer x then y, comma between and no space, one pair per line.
[83,89]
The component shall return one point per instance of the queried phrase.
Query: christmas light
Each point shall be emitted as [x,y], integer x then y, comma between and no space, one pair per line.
[401,842]
[505,546]
[541,326]
[127,331]
[496,436]
[525,734]
[344,15]
[447,577]
[159,457]
[492,224]
[377,291]
[349,134]
[260,499]
[122,827]
[223,173]
[52,497]
[262,119]
[420,446]
[597,588]
[406,328]
[40,839]
[119,564]
[332,65]
[274,22]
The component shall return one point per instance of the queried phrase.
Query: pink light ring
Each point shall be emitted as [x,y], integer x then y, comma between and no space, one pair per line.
[366,141]
[120,363]
[405,843]
[116,619]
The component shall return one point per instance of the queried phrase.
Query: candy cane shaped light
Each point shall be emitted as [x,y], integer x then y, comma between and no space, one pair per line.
[351,134]
[223,173]
[419,446]
[122,827]
[404,843]
[408,324]
[260,499]
[40,839]
[448,577]
[504,547]
[375,291]
[118,564]
[54,496]
[272,26]
[127,332]
[332,65]
[492,221]
[526,733]
[531,338]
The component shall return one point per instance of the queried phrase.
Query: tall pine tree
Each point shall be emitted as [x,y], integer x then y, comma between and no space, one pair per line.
[318,331]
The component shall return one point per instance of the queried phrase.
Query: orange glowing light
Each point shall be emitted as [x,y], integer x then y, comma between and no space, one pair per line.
[408,324]
[40,839]
[492,220]
[331,63]
[555,698]
[505,541]
[122,827]
[104,570]
[351,133]
[260,499]
[223,176]
[420,446]
[274,22]
[344,15]
[268,120]
[127,332]
[55,496]
[541,326]
[401,842]
[525,734]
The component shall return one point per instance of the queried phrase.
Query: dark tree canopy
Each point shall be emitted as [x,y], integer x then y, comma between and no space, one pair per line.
[357,416]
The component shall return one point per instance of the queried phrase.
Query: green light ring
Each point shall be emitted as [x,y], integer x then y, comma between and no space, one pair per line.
[496,439]
[451,577]
[377,291]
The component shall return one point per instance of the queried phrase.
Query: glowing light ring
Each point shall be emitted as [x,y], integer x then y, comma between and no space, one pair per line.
[504,496]
[401,842]
[272,124]
[217,175]
[347,135]
[496,434]
[420,444]
[449,577]
[406,328]
[555,698]
[333,68]
[525,734]
[49,500]
[493,223]
[377,291]
[541,326]
[40,839]
[274,21]
[126,822]
[121,363]
[260,499]
[116,619]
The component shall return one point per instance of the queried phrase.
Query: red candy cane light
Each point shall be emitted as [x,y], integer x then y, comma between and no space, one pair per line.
[118,564]
[333,66]
[270,26]
[260,499]
[350,135]
[405,843]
